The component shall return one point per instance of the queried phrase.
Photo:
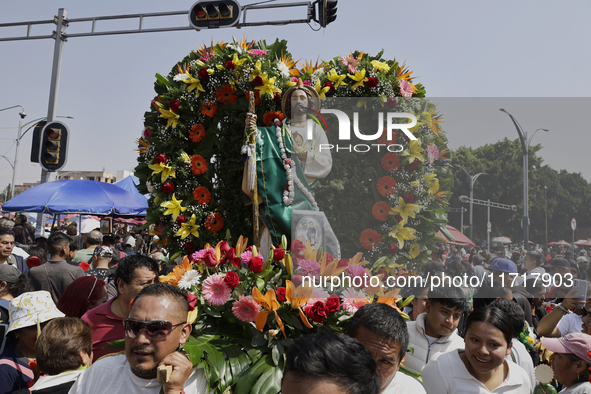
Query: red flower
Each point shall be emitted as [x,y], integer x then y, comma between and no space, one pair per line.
[380,211]
[224,247]
[329,258]
[198,165]
[210,260]
[203,74]
[232,280]
[297,249]
[372,82]
[258,81]
[391,102]
[230,65]
[197,133]
[330,85]
[317,312]
[190,246]
[174,105]
[181,219]
[408,198]
[333,303]
[343,263]
[161,158]
[84,265]
[412,166]
[370,238]
[387,186]
[278,254]
[202,195]
[281,294]
[390,162]
[277,97]
[393,249]
[209,109]
[398,218]
[256,264]
[270,117]
[214,222]
[168,187]
[226,95]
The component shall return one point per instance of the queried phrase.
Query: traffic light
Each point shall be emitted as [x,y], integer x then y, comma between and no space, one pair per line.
[54,146]
[327,11]
[37,141]
[214,14]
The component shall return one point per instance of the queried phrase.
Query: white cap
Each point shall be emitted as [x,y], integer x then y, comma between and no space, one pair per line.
[129,240]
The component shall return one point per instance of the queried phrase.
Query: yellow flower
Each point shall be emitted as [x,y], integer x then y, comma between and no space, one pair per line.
[162,169]
[189,228]
[173,207]
[336,79]
[429,177]
[256,71]
[289,84]
[170,116]
[402,234]
[237,62]
[193,83]
[404,210]
[268,86]
[415,183]
[321,90]
[219,67]
[433,120]
[380,66]
[414,251]
[185,157]
[414,151]
[359,77]
[434,187]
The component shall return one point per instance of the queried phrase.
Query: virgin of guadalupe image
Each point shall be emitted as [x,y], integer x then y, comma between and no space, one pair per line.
[288,163]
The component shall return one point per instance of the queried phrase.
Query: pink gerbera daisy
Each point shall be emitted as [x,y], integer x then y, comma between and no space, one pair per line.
[353,300]
[215,290]
[200,254]
[246,257]
[246,309]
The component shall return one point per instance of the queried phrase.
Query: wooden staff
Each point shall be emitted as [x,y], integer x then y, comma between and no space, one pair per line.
[252,133]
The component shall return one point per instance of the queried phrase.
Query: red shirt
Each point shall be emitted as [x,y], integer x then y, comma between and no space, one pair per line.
[106,327]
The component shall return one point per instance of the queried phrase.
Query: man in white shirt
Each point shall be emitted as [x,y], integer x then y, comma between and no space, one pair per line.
[156,326]
[383,332]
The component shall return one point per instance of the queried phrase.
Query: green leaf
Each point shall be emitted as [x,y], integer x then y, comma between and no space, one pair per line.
[246,381]
[269,382]
[163,80]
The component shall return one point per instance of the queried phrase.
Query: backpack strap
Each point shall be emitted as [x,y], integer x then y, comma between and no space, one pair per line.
[22,369]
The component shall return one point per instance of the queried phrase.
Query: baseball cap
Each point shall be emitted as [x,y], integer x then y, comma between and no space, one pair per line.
[558,262]
[581,259]
[505,265]
[103,251]
[9,273]
[575,343]
[129,240]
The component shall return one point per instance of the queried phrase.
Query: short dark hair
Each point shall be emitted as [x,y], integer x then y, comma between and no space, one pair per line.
[494,316]
[514,312]
[73,245]
[335,357]
[58,347]
[449,296]
[432,266]
[94,238]
[22,285]
[38,251]
[165,290]
[6,231]
[56,241]
[538,258]
[477,259]
[22,218]
[383,320]
[108,240]
[487,293]
[128,264]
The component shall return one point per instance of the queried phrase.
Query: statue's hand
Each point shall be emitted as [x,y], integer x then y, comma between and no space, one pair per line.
[251,119]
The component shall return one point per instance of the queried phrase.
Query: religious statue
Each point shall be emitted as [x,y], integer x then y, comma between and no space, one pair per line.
[287,163]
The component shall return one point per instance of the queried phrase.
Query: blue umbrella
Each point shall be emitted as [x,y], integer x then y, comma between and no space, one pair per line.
[77,196]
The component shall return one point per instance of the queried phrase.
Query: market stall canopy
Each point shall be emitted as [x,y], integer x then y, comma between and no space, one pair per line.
[460,239]
[501,240]
[77,196]
[130,184]
[561,243]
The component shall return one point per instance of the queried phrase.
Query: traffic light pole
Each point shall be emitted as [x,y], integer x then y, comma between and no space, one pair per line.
[489,204]
[59,36]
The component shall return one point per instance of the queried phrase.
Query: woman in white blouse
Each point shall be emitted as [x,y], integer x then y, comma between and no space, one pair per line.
[480,368]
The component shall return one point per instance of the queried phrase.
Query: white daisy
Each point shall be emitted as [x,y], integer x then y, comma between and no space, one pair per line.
[189,279]
[283,68]
[181,77]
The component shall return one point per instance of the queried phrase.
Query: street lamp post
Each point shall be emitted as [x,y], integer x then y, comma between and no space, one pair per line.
[472,179]
[525,143]
[546,212]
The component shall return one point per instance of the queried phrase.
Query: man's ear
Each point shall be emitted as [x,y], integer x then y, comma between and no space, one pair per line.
[120,287]
[508,352]
[427,306]
[185,332]
[3,286]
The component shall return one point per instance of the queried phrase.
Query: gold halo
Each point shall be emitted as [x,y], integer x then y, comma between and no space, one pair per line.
[315,97]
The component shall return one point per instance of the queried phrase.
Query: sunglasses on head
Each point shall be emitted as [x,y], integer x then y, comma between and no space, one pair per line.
[157,329]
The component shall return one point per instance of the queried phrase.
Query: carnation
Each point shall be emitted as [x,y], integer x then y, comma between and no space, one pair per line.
[245,257]
[246,309]
[308,267]
[189,279]
[432,153]
[200,254]
[215,290]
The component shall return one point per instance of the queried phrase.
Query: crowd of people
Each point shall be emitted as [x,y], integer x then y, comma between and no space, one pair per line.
[62,303]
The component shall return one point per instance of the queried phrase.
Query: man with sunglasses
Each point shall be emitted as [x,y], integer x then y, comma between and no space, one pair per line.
[156,326]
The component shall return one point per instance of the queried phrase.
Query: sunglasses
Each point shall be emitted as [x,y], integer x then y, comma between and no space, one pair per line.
[157,329]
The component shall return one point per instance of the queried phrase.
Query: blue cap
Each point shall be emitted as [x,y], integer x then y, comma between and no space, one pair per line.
[505,265]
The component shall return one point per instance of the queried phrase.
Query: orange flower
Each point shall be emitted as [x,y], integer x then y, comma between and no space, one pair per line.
[387,186]
[257,97]
[202,195]
[270,303]
[390,162]
[214,222]
[198,165]
[177,272]
[226,95]
[209,109]
[383,139]
[270,117]
[380,210]
[197,133]
[370,238]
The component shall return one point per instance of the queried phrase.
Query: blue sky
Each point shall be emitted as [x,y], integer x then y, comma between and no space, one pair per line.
[456,48]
